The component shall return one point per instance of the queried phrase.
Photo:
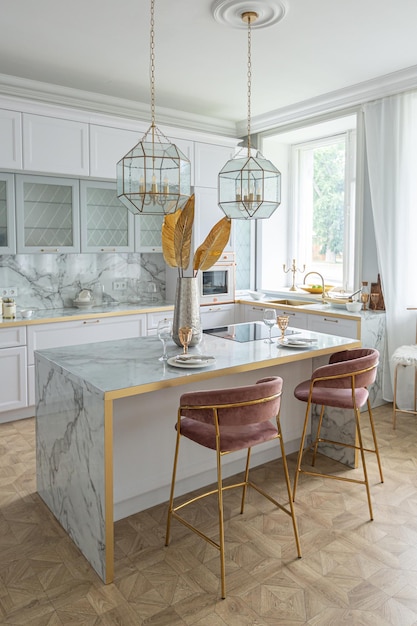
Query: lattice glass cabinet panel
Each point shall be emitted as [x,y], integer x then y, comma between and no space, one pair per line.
[7,214]
[47,213]
[148,233]
[106,224]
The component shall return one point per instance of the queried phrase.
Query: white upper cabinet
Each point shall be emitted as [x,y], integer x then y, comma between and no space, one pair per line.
[107,146]
[7,215]
[106,224]
[209,160]
[47,214]
[187,148]
[148,230]
[55,146]
[11,139]
[207,214]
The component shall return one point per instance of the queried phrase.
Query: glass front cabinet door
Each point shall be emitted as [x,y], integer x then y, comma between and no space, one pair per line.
[7,215]
[106,224]
[148,233]
[47,214]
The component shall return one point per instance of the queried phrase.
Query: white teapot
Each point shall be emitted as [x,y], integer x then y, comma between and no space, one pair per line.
[84,296]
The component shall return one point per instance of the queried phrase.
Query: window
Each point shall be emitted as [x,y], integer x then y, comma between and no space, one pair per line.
[323,191]
[315,224]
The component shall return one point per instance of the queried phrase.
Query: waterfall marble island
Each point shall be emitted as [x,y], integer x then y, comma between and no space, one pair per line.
[105,416]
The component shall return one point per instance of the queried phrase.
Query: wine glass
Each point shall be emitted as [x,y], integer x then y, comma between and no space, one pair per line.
[282,321]
[270,319]
[185,334]
[164,334]
[364,300]
[374,299]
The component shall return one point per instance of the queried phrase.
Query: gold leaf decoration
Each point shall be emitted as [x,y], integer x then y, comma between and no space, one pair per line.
[168,237]
[182,234]
[210,250]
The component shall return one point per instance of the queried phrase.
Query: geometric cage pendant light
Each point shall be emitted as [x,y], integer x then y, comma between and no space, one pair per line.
[249,186]
[154,177]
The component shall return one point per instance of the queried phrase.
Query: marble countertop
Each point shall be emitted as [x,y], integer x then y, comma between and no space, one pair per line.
[314,307]
[132,365]
[44,316]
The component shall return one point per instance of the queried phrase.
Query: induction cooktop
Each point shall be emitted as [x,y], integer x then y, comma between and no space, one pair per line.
[251,331]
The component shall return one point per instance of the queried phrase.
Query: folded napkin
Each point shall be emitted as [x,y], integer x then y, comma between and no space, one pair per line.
[300,340]
[194,358]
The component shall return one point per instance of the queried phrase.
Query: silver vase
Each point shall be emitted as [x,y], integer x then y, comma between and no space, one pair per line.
[187,310]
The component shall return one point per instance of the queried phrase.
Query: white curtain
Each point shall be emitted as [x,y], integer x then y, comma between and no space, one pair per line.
[391,140]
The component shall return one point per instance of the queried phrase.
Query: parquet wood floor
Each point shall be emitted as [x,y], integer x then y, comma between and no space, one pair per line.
[353,571]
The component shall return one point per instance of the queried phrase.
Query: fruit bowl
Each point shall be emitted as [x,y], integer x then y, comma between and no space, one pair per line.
[315,288]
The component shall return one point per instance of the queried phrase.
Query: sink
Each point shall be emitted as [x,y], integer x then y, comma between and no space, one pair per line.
[291,302]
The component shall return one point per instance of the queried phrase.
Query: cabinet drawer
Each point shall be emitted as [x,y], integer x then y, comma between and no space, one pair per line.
[84,331]
[220,315]
[334,326]
[154,318]
[297,320]
[13,336]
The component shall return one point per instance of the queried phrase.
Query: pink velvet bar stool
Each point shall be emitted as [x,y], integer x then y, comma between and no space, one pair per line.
[343,383]
[227,420]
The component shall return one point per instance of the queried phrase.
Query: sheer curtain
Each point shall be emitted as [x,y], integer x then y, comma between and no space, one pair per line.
[391,140]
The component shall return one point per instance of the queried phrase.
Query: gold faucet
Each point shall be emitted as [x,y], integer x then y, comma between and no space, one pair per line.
[323,295]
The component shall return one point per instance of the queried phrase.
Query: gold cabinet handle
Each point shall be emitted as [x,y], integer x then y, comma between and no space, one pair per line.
[91,322]
[49,250]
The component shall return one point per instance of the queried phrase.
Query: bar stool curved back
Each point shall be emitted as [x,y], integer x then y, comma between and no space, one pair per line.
[227,420]
[343,383]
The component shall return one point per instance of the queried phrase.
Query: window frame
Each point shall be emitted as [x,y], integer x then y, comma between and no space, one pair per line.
[348,121]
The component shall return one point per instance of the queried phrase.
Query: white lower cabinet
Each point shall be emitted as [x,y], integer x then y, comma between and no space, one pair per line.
[13,369]
[250,313]
[89,330]
[154,318]
[334,326]
[297,319]
[255,313]
[217,315]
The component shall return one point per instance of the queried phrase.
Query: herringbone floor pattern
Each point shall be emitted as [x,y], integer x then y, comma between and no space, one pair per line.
[353,571]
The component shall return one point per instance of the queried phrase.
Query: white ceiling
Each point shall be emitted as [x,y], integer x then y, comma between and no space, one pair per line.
[102,46]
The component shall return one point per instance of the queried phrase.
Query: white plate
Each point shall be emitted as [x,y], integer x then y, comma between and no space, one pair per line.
[83,305]
[192,363]
[297,343]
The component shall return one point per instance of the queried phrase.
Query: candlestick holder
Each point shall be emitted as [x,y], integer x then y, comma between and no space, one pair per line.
[294,269]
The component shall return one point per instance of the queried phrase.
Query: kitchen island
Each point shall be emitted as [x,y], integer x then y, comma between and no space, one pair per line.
[105,416]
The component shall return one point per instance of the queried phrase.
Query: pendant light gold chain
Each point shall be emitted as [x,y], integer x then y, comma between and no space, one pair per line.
[152,59]
[249,79]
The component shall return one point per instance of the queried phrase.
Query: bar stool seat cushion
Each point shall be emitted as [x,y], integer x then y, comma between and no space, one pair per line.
[231,438]
[405,355]
[340,398]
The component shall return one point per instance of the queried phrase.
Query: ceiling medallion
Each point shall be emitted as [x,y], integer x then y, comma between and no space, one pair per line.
[230,12]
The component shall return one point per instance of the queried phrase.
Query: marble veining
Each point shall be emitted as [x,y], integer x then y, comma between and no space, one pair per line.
[70,458]
[50,281]
[72,384]
[338,424]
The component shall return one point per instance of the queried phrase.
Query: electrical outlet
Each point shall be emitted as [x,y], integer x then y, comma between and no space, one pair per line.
[8,292]
[119,285]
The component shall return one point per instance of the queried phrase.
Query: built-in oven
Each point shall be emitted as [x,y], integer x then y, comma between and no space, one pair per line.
[218,283]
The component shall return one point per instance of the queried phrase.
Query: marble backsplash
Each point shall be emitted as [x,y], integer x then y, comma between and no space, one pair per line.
[51,281]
